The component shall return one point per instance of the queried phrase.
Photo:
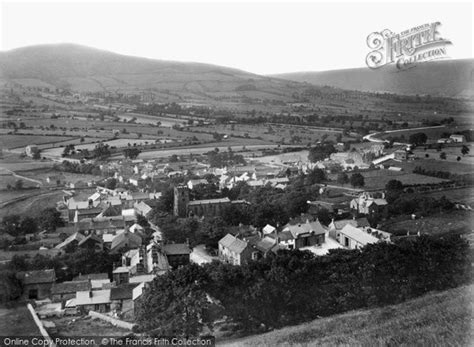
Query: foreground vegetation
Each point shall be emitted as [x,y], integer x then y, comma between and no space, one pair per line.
[436,319]
[293,287]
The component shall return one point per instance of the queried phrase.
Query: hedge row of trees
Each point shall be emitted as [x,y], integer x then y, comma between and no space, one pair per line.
[293,286]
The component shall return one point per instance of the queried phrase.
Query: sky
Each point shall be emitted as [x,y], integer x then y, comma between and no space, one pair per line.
[263,38]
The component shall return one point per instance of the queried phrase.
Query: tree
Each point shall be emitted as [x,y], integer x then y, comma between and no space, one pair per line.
[316,176]
[111,183]
[11,224]
[28,225]
[417,138]
[357,180]
[320,152]
[342,178]
[37,155]
[50,219]
[393,190]
[18,184]
[464,150]
[175,304]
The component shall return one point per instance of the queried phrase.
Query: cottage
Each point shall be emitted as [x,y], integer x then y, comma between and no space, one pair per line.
[67,290]
[177,254]
[91,300]
[307,234]
[121,298]
[234,251]
[37,284]
[125,241]
[197,182]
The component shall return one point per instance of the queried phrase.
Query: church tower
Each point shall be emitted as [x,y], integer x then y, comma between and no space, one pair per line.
[181,200]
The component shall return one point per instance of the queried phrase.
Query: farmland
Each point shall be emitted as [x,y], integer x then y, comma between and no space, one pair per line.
[457,221]
[377,179]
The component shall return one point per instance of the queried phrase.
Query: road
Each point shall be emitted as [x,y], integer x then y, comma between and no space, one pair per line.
[371,137]
[14,174]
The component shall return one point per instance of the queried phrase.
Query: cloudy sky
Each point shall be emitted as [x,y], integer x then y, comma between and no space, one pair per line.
[263,37]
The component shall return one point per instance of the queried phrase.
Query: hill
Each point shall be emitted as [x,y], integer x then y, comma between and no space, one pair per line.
[436,319]
[88,69]
[452,78]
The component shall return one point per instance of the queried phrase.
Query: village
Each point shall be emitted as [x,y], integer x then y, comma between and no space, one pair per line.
[123,216]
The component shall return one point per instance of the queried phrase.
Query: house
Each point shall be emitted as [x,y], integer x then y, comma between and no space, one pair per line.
[91,300]
[194,183]
[121,298]
[121,275]
[101,225]
[368,205]
[97,280]
[71,242]
[125,241]
[262,247]
[142,209]
[307,234]
[354,238]
[36,284]
[268,229]
[458,138]
[177,254]
[31,150]
[234,251]
[67,290]
[400,155]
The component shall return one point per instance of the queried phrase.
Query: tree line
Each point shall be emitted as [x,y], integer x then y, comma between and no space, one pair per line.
[293,287]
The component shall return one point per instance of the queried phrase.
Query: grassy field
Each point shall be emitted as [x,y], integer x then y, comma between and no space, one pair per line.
[436,319]
[32,205]
[457,221]
[15,141]
[377,179]
[17,321]
[434,164]
[462,195]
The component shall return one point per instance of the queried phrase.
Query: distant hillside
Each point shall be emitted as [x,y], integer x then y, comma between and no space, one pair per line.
[437,319]
[441,78]
[87,69]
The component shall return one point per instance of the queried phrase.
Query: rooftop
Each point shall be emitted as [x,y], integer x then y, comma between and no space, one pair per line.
[176,248]
[358,235]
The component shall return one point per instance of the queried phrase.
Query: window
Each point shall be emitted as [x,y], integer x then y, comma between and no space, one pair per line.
[346,241]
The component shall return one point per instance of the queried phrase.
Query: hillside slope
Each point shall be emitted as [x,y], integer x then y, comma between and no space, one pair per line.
[436,319]
[88,69]
[441,78]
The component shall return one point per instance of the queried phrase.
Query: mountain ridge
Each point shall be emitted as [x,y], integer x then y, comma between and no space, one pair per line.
[440,78]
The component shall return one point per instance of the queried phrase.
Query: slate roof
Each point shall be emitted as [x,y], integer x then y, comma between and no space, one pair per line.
[70,287]
[306,228]
[358,235]
[265,245]
[176,248]
[98,297]
[142,208]
[233,244]
[122,292]
[37,276]
[209,201]
[133,240]
[74,237]
[96,276]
